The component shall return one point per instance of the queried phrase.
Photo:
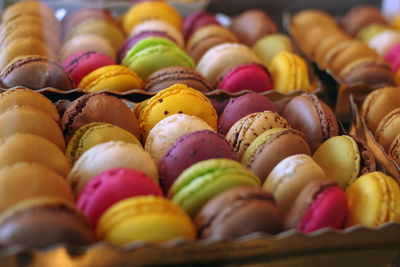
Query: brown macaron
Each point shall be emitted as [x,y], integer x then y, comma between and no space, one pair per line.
[36,72]
[238,212]
[388,129]
[309,17]
[42,222]
[251,25]
[98,108]
[311,116]
[167,77]
[378,104]
[360,16]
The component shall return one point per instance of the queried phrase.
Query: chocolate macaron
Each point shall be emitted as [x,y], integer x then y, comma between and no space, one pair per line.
[311,116]
[169,76]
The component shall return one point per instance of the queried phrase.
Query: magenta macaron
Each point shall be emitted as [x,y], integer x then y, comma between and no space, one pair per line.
[245,77]
[81,64]
[196,20]
[240,107]
[393,58]
[112,186]
[189,149]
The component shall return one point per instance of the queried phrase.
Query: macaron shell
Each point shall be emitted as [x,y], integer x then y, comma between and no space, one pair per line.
[42,181]
[26,97]
[163,135]
[107,156]
[268,149]
[339,157]
[112,186]
[176,99]
[373,199]
[248,128]
[93,134]
[34,149]
[144,218]
[269,46]
[30,120]
[289,177]
[388,128]
[114,77]
[223,57]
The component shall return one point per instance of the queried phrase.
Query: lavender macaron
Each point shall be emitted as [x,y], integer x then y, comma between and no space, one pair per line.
[239,107]
[189,149]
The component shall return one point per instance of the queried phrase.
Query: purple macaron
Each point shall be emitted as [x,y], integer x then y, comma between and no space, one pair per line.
[197,20]
[239,107]
[130,42]
[189,149]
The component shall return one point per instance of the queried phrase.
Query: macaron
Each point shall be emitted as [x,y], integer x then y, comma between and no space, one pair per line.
[394,149]
[35,72]
[268,46]
[112,186]
[99,27]
[149,10]
[42,222]
[18,21]
[81,64]
[223,57]
[378,104]
[373,199]
[197,20]
[344,159]
[289,73]
[360,16]
[24,47]
[25,97]
[388,129]
[114,77]
[161,26]
[241,106]
[370,31]
[152,54]
[189,149]
[320,204]
[252,77]
[98,108]
[205,179]
[107,156]
[251,25]
[33,149]
[309,17]
[272,146]
[228,214]
[311,116]
[289,177]
[93,134]
[207,37]
[175,99]
[163,135]
[134,39]
[145,218]
[169,76]
[86,43]
[24,180]
[24,8]
[248,128]
[29,120]
[384,41]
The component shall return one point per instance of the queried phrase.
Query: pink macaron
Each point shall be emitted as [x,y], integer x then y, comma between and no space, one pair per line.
[320,204]
[189,149]
[112,186]
[81,64]
[245,77]
[241,106]
[197,20]
[393,58]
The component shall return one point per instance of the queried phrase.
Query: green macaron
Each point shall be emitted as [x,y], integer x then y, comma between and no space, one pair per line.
[93,134]
[206,179]
[152,54]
